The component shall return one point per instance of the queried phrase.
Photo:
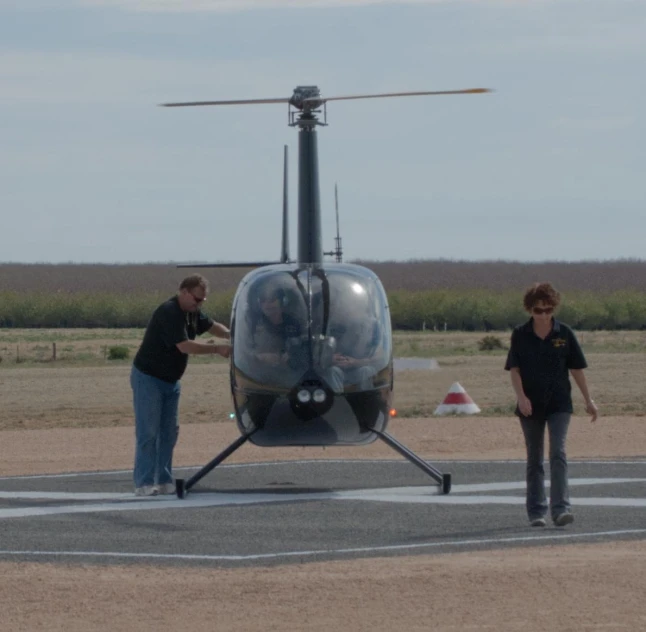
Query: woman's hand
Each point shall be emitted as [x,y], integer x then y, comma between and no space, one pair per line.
[591,409]
[345,362]
[524,406]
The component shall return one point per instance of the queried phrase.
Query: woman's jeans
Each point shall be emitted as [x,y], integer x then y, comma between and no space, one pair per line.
[534,431]
[156,405]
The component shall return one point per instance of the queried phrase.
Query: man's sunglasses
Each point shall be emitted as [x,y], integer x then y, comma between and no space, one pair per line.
[198,299]
[542,310]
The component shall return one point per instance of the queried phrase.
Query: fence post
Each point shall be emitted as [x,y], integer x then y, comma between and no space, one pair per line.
[17,354]
[54,351]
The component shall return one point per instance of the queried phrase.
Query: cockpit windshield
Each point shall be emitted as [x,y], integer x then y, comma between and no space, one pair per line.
[333,321]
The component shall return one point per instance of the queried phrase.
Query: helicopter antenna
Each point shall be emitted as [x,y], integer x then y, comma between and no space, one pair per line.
[337,253]
[284,255]
[339,250]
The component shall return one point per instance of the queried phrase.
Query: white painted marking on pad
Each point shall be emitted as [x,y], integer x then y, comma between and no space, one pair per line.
[260,464]
[412,495]
[553,537]
[19,495]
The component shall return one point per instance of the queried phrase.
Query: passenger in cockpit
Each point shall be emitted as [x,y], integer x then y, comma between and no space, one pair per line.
[359,353]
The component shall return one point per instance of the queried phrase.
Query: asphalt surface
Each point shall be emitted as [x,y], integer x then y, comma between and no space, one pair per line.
[266,514]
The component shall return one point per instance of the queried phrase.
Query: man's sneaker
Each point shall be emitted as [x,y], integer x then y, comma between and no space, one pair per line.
[564,518]
[166,488]
[537,522]
[146,490]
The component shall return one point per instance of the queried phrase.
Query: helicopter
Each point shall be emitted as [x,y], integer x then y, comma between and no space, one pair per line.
[330,382]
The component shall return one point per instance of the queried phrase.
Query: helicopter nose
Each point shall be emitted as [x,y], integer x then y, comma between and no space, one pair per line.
[311,398]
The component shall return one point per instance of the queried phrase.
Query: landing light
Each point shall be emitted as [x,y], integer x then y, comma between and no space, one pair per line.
[319,395]
[303,396]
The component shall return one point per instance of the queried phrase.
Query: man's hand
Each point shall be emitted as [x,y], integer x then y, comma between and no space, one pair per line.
[223,350]
[272,359]
[524,406]
[219,349]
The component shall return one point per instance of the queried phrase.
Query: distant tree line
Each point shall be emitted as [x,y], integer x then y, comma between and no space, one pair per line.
[463,310]
[483,310]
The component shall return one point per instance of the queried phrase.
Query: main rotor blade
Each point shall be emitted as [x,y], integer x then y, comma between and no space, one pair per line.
[235,102]
[403,94]
[239,264]
[324,99]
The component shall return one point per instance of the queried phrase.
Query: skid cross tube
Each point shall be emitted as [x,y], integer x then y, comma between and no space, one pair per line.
[182,486]
[443,479]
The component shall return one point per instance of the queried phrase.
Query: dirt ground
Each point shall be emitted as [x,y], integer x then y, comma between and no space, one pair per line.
[49,396]
[577,587]
[83,449]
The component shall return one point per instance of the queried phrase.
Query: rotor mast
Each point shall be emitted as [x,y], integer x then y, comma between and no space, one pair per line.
[307,104]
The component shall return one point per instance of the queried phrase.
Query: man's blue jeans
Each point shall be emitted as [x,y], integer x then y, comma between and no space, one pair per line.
[534,431]
[156,406]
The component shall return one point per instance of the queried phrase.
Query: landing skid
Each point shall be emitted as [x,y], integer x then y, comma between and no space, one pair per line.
[182,486]
[444,480]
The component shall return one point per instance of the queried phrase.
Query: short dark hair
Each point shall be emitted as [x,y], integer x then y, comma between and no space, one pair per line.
[193,281]
[541,292]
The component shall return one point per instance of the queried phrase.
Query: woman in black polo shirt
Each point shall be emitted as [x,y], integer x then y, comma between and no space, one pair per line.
[542,352]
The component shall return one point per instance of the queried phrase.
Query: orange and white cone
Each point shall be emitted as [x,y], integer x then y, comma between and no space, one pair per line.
[457,401]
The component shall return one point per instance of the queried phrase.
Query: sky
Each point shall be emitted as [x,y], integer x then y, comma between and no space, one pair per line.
[549,166]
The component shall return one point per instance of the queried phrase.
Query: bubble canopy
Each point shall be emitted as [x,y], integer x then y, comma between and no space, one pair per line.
[329,321]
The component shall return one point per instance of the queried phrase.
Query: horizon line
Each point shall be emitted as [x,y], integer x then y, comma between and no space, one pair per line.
[357,261]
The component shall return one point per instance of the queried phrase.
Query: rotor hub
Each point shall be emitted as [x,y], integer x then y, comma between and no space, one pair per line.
[306,98]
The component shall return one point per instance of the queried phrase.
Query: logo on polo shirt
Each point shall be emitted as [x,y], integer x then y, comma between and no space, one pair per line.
[558,342]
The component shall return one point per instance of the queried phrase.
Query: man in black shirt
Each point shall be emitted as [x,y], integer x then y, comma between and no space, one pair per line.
[155,379]
[542,352]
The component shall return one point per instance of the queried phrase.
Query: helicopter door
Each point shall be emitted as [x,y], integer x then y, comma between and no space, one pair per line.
[350,316]
[270,318]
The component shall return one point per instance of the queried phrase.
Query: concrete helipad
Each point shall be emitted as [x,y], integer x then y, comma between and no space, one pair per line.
[299,511]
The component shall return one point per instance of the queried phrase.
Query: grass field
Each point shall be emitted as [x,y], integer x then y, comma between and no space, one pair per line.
[90,346]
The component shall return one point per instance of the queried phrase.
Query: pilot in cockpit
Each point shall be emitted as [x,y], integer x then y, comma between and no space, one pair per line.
[279,340]
[274,328]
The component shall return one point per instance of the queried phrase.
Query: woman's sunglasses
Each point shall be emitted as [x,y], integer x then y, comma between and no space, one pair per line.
[542,310]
